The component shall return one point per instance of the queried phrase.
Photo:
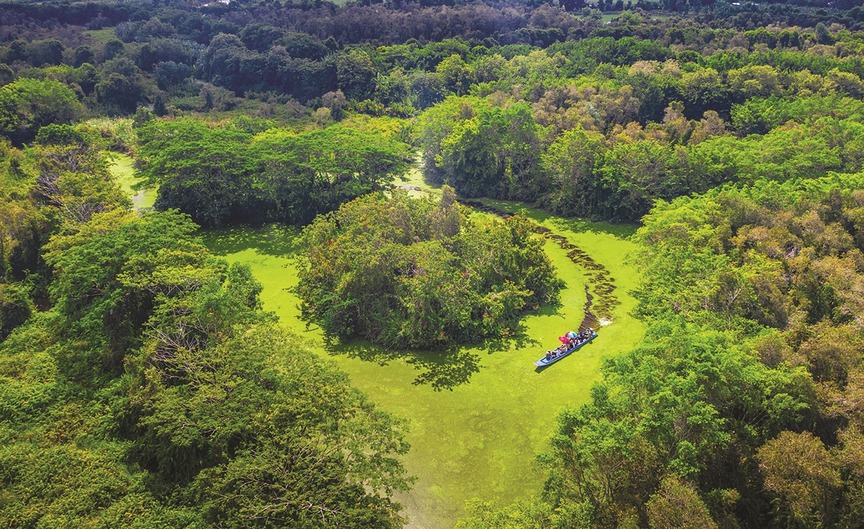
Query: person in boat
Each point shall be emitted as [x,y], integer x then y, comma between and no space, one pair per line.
[548,355]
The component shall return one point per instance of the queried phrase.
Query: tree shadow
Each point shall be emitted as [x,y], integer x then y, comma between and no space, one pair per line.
[444,371]
[440,369]
[577,225]
[574,224]
[274,240]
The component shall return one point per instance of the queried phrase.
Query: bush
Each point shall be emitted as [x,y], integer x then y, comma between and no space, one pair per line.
[15,307]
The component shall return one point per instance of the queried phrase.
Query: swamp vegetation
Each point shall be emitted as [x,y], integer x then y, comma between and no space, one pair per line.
[275,264]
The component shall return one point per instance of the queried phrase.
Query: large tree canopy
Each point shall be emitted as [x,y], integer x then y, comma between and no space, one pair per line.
[156,391]
[27,104]
[407,272]
[223,174]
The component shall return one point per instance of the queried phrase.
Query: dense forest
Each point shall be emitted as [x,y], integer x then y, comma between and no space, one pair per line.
[142,383]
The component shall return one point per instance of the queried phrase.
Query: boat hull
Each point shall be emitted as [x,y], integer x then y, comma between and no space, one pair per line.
[543,362]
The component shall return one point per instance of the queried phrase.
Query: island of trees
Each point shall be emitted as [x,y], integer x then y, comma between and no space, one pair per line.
[142,383]
[405,272]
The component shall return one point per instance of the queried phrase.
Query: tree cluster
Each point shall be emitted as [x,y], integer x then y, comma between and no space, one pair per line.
[149,389]
[141,384]
[277,51]
[740,407]
[405,272]
[237,173]
[603,127]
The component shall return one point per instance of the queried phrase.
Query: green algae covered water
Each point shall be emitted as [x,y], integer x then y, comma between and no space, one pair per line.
[478,417]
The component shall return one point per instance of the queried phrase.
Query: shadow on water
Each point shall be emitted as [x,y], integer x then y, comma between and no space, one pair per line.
[518,337]
[274,239]
[440,369]
[577,225]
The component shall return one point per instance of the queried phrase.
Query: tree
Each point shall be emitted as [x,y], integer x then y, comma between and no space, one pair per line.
[355,74]
[113,49]
[159,354]
[308,461]
[170,75]
[412,273]
[637,173]
[15,307]
[495,153]
[42,52]
[222,175]
[803,474]
[304,46]
[704,90]
[260,37]
[426,89]
[572,162]
[83,54]
[677,505]
[28,104]
[7,74]
[199,170]
[456,75]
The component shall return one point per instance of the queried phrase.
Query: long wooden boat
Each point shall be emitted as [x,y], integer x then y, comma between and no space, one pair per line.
[543,362]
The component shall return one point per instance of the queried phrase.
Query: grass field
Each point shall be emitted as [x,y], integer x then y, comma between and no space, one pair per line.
[101,35]
[123,170]
[478,417]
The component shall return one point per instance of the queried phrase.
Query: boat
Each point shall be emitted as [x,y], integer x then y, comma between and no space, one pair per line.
[543,362]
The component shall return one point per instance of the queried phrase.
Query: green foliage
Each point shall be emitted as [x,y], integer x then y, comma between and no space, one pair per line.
[149,395]
[71,175]
[520,515]
[488,151]
[484,148]
[15,307]
[737,245]
[677,505]
[99,287]
[322,437]
[749,293]
[573,161]
[800,470]
[115,134]
[412,273]
[685,402]
[156,393]
[226,175]
[20,219]
[28,104]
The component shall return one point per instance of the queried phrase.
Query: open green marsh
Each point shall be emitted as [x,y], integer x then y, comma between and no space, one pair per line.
[122,167]
[478,416]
